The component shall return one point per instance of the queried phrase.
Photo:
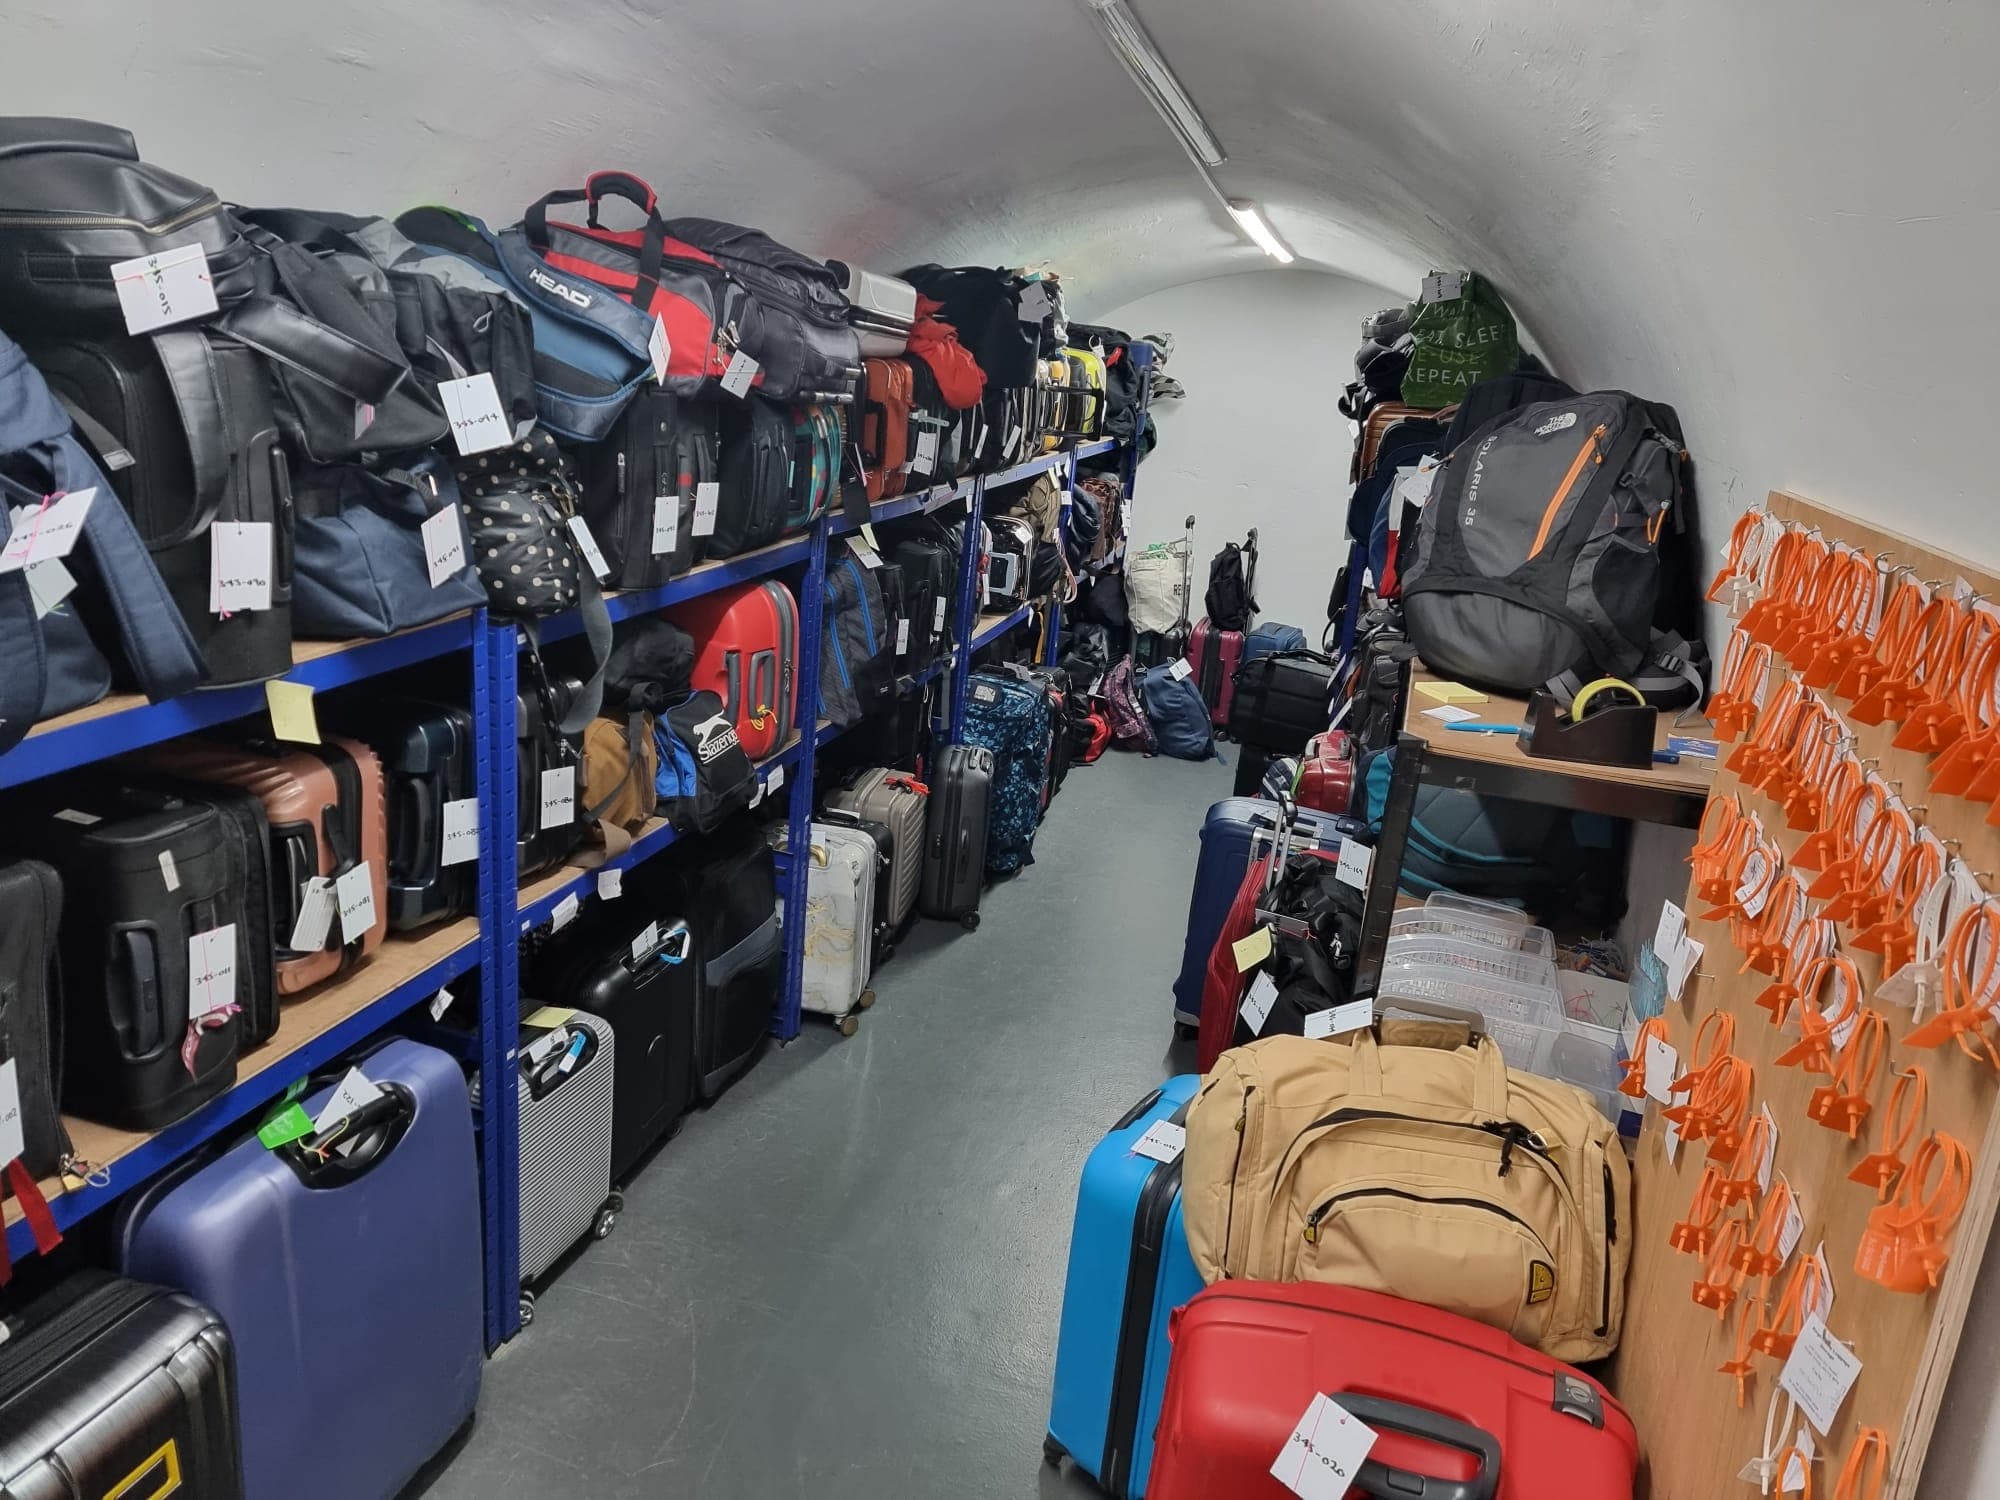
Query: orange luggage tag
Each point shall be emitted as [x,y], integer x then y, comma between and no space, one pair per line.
[1801,1296]
[1900,688]
[1894,934]
[1738,1365]
[1961,761]
[1880,1168]
[1867,1464]
[1633,1084]
[1766,941]
[1858,593]
[1938,720]
[1903,1246]
[1693,1235]
[1813,938]
[1746,671]
[1747,1182]
[1712,1041]
[1843,801]
[1814,1049]
[1758,1254]
[1906,600]
[1843,1104]
[1974,938]
[1720,1281]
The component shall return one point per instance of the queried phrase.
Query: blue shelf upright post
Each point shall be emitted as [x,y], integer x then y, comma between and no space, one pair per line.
[1052,645]
[496,648]
[967,616]
[797,862]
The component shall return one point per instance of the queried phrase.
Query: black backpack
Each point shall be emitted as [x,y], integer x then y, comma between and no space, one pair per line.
[1229,601]
[1550,542]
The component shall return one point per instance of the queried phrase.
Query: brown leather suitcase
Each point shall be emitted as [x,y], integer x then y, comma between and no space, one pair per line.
[327,812]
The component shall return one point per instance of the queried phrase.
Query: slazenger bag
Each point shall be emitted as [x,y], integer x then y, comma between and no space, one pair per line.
[1540,547]
[1419,1165]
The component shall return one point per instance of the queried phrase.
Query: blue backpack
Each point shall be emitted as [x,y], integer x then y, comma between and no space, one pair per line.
[1010,718]
[1272,637]
[1179,717]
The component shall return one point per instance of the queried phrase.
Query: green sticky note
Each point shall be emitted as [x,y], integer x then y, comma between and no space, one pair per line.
[286,1126]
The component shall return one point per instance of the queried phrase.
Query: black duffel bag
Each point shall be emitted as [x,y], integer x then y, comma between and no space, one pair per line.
[1281,701]
[805,344]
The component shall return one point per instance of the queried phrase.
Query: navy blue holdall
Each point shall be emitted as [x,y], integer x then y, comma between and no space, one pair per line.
[1129,1268]
[1218,874]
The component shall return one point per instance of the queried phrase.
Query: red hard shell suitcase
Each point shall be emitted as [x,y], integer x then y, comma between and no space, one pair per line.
[1215,655]
[1460,1410]
[747,653]
[1326,773]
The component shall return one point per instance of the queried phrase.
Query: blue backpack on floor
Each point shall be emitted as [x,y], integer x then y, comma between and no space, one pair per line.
[1179,717]
[1272,637]
[1010,718]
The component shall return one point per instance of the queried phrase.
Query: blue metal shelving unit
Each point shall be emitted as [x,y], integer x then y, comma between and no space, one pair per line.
[409,971]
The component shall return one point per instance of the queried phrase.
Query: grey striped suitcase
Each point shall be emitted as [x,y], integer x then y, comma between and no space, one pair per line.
[899,802]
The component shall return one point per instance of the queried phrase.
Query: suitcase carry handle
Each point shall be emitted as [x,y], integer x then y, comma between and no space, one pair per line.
[1386,1483]
[376,1128]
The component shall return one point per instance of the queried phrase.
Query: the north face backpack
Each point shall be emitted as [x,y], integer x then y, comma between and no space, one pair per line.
[1010,718]
[1229,601]
[1545,541]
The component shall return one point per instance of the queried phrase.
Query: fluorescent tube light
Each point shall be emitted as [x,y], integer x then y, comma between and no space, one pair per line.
[1251,222]
[1156,80]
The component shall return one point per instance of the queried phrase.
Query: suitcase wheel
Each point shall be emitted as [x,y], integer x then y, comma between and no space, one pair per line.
[970,921]
[527,1307]
[848,1024]
[1186,1031]
[605,1222]
[866,999]
[1053,1452]
[616,1202]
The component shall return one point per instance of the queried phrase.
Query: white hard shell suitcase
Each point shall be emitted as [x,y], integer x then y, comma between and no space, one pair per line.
[840,922]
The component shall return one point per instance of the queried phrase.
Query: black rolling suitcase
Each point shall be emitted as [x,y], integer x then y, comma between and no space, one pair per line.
[143,875]
[632,962]
[111,1387]
[427,761]
[127,412]
[955,834]
[741,951]
[30,1020]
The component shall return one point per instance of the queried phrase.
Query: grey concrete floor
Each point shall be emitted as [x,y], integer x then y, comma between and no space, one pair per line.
[844,1279]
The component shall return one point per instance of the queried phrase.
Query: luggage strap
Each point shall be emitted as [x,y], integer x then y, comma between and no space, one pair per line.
[34,1208]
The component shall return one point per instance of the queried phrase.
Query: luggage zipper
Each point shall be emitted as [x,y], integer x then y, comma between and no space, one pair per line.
[1511,1133]
[1610,1239]
[28,220]
[1589,450]
[1229,1215]
[861,598]
[1313,1219]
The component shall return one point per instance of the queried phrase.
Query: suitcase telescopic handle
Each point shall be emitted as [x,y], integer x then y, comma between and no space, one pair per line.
[1388,1483]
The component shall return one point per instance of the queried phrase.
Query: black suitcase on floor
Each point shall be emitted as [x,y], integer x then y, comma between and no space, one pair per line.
[427,760]
[242,813]
[662,447]
[883,939]
[126,412]
[955,834]
[755,464]
[141,873]
[30,1013]
[1281,701]
[740,949]
[115,1388]
[632,962]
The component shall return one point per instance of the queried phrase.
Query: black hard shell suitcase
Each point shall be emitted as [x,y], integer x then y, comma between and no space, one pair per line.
[955,834]
[632,962]
[427,760]
[30,1011]
[141,873]
[662,446]
[539,746]
[111,1387]
[126,413]
[755,469]
[1281,701]
[741,951]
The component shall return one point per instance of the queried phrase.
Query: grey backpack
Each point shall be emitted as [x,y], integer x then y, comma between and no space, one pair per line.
[1544,542]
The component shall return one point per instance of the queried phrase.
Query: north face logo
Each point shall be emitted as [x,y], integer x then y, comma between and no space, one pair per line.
[713,737]
[562,289]
[1556,423]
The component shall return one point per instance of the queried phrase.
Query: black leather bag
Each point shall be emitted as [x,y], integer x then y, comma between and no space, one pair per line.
[31,1033]
[802,337]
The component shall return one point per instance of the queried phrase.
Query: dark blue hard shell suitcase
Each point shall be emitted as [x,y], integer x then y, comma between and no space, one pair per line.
[1218,874]
[1129,1268]
[350,1287]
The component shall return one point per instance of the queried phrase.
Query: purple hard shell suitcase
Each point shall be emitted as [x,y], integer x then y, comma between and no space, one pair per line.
[351,1289]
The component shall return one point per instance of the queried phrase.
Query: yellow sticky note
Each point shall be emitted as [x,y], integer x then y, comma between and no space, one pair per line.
[868,536]
[548,1018]
[292,715]
[1450,692]
[1253,950]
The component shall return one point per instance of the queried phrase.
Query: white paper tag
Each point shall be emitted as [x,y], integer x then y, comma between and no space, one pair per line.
[169,871]
[1683,964]
[1163,1141]
[1338,1020]
[937,615]
[171,287]
[1257,1004]
[558,797]
[1450,713]
[1413,486]
[478,421]
[1444,286]
[647,940]
[707,497]
[587,545]
[659,348]
[211,971]
[1013,437]
[43,532]
[1794,1477]
[1819,1374]
[1324,1452]
[81,819]
[1356,860]
[1792,1230]
[925,459]
[354,1091]
[742,370]
[610,883]
[547,1045]
[461,831]
[903,637]
[1180,669]
[564,913]
[444,546]
[239,575]
[13,1133]
[774,778]
[1671,1138]
[1663,1066]
[1767,1163]
[440,1003]
[355,891]
[869,557]
[1033,305]
[49,583]
[666,523]
[315,919]
[1823,1303]
[1670,933]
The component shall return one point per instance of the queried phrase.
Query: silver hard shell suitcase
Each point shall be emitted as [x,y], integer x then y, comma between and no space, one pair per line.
[898,801]
[840,922]
[880,308]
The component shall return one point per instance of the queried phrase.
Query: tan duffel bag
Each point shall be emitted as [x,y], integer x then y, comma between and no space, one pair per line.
[1418,1165]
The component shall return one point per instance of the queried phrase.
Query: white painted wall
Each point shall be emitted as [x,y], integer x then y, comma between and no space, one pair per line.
[1258,441]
